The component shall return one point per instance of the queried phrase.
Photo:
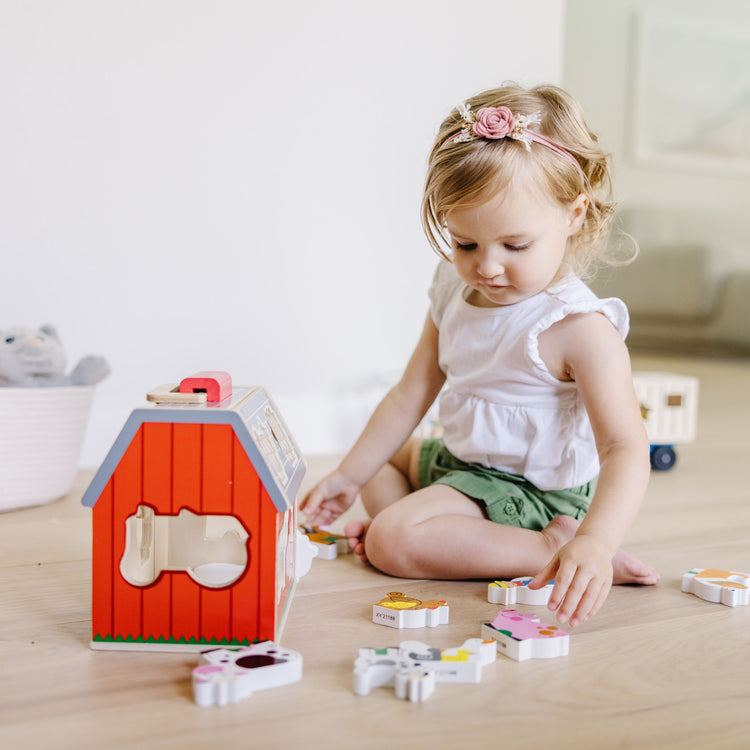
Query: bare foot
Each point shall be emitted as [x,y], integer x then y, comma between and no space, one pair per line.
[356,532]
[626,568]
[629,569]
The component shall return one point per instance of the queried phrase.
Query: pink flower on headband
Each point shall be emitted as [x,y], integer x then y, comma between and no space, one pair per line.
[494,122]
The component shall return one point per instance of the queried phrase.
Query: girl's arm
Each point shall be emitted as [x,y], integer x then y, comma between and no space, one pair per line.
[391,424]
[587,348]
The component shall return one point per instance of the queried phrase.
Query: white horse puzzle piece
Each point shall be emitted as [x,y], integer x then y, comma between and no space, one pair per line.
[414,668]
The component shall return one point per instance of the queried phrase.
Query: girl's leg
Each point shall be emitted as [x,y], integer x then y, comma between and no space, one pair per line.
[406,525]
[397,479]
[439,533]
[394,493]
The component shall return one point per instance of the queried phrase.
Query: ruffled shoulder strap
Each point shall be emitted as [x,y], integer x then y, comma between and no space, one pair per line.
[575,298]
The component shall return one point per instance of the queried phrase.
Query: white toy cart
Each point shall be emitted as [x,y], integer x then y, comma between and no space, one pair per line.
[669,405]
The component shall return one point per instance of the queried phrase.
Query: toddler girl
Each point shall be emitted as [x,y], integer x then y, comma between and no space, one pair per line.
[544,460]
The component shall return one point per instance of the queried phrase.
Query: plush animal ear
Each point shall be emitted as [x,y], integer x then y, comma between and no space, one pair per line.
[50,330]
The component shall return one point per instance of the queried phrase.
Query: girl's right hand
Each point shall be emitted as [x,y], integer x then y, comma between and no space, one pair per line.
[325,502]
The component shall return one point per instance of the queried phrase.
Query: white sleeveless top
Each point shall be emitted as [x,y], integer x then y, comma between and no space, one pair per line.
[501,407]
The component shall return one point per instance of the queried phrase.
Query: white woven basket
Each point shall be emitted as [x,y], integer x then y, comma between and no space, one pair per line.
[41,432]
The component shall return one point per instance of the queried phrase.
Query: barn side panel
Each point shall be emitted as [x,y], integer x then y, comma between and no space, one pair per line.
[216,604]
[287,581]
[127,481]
[157,492]
[187,452]
[246,592]
[103,568]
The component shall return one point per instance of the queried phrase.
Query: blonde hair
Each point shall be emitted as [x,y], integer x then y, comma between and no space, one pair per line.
[470,172]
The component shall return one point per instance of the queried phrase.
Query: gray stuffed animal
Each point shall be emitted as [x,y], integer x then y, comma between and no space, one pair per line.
[33,358]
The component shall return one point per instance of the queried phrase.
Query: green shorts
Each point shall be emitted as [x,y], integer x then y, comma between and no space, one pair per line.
[505,498]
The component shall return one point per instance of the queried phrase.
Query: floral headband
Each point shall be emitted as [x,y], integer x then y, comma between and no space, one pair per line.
[495,123]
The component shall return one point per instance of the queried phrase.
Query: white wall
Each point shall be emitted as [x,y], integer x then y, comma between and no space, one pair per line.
[235,185]
[599,69]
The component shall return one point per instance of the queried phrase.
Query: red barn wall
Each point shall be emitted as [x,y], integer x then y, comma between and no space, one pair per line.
[205,469]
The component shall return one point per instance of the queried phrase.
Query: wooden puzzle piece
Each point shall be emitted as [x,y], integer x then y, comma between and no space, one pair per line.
[400,611]
[329,545]
[414,668]
[517,591]
[305,553]
[718,586]
[231,675]
[524,636]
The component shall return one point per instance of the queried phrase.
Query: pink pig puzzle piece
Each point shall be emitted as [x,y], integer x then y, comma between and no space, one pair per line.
[524,636]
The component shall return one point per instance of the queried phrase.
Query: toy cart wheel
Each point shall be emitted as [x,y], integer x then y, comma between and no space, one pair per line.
[662,458]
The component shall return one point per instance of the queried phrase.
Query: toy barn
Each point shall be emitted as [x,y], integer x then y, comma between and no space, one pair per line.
[194,521]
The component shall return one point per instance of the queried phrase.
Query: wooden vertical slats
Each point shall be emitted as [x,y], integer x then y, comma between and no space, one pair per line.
[186,493]
[217,493]
[202,468]
[103,568]
[157,493]
[126,495]
[246,592]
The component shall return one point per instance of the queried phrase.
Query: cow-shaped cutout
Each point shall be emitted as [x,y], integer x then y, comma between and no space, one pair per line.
[211,549]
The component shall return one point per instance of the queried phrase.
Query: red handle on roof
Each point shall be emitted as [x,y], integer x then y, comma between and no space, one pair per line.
[217,385]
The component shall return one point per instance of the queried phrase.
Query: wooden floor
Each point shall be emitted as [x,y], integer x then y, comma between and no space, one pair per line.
[657,668]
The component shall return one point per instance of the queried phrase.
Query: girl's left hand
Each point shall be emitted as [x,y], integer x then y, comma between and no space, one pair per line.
[582,571]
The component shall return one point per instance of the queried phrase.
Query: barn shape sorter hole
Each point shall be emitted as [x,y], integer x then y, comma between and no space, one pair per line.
[195,541]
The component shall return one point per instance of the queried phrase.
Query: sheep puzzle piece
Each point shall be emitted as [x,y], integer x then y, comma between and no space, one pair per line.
[517,591]
[414,668]
[229,675]
[718,586]
[524,636]
[400,611]
[329,545]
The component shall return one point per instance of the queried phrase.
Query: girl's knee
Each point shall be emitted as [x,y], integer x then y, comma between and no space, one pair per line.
[387,547]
